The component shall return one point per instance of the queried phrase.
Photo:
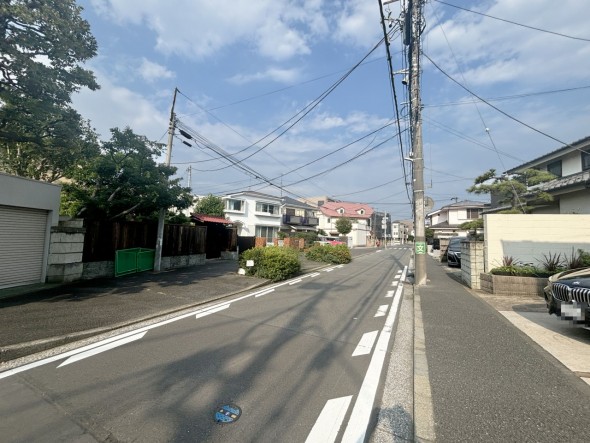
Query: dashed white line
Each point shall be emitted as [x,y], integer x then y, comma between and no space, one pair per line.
[366,344]
[294,282]
[103,348]
[389,294]
[328,269]
[394,283]
[212,311]
[261,293]
[326,427]
[356,428]
[381,311]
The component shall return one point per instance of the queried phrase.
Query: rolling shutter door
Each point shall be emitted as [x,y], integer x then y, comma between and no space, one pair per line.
[22,245]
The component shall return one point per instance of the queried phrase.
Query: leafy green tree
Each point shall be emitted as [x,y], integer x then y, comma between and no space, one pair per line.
[343,225]
[210,205]
[513,190]
[125,182]
[43,44]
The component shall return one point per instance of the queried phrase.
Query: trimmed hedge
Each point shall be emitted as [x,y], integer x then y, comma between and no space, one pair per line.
[335,254]
[271,262]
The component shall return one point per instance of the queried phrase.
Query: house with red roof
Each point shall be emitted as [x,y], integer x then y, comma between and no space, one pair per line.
[360,214]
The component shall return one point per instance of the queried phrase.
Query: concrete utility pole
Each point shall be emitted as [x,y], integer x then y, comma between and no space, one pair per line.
[162,214]
[415,9]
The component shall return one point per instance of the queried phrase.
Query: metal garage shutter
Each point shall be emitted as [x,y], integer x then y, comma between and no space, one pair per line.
[22,244]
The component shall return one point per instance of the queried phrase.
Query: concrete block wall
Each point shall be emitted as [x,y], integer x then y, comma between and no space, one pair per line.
[512,285]
[66,245]
[472,263]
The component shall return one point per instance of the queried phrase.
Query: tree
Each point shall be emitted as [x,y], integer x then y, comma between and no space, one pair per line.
[42,46]
[210,205]
[124,182]
[343,225]
[513,190]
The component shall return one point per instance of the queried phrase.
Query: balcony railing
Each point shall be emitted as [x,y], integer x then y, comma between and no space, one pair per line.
[300,221]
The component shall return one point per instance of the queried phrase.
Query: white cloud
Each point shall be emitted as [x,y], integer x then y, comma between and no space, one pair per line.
[278,75]
[151,71]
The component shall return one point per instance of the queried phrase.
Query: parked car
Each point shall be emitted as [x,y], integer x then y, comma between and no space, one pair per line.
[567,295]
[454,251]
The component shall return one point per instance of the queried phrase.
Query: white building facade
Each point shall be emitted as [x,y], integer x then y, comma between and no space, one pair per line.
[255,214]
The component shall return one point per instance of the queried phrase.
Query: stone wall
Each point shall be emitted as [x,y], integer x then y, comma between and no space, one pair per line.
[512,285]
[472,262]
[66,245]
[183,261]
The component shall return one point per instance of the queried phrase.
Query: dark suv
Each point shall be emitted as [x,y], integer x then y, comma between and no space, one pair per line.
[454,251]
[568,295]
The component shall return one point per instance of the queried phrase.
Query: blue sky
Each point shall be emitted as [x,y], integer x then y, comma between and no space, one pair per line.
[245,68]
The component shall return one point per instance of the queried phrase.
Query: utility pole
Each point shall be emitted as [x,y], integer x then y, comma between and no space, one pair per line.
[415,9]
[162,214]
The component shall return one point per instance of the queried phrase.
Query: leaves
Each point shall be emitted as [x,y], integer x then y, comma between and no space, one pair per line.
[210,205]
[343,225]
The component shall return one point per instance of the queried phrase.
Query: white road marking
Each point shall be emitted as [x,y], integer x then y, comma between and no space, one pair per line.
[326,427]
[381,311]
[295,281]
[399,271]
[212,311]
[339,266]
[389,294]
[103,348]
[366,344]
[361,413]
[394,283]
[328,269]
[261,293]
[315,274]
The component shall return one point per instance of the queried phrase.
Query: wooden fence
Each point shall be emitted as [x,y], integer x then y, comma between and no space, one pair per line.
[103,238]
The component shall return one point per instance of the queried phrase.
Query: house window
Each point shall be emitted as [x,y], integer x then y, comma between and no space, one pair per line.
[234,205]
[362,212]
[340,211]
[290,211]
[267,207]
[555,168]
[586,160]
[268,232]
[473,213]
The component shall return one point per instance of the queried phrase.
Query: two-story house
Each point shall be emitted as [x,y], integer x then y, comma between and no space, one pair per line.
[571,188]
[255,214]
[297,216]
[360,215]
[446,221]
[401,230]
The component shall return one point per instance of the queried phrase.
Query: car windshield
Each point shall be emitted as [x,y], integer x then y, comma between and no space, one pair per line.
[455,244]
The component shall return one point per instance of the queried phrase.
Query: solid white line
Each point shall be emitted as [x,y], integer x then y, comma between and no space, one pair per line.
[103,348]
[389,294]
[326,427]
[381,311]
[315,274]
[268,291]
[363,407]
[328,270]
[339,266]
[394,283]
[366,344]
[294,282]
[212,311]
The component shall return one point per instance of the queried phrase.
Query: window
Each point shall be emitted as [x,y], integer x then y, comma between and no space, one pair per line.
[473,213]
[362,212]
[267,207]
[555,168]
[268,232]
[340,211]
[586,160]
[234,205]
[290,211]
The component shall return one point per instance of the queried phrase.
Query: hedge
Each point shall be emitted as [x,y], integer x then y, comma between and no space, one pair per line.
[271,262]
[335,254]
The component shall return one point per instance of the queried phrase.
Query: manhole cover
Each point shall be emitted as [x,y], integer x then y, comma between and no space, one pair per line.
[228,413]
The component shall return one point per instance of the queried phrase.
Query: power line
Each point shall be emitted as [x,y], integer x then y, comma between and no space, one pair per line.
[515,23]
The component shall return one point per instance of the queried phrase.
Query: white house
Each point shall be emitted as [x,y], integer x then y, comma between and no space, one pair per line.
[255,214]
[571,188]
[446,221]
[359,214]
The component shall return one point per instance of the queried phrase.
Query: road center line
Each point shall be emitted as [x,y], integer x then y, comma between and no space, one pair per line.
[366,344]
[356,429]
[326,427]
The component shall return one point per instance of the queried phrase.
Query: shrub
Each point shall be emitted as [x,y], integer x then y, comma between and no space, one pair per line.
[552,263]
[335,254]
[521,271]
[272,263]
[579,260]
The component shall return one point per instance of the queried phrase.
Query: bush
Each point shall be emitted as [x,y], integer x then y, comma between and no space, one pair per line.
[272,263]
[335,254]
[522,271]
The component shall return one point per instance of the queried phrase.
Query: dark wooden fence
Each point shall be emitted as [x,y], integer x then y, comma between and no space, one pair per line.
[102,239]
[245,243]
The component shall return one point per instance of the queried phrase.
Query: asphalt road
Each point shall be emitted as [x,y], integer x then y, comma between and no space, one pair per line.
[298,361]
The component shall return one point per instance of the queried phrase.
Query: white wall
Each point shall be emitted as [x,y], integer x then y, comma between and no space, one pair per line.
[26,193]
[575,203]
[526,237]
